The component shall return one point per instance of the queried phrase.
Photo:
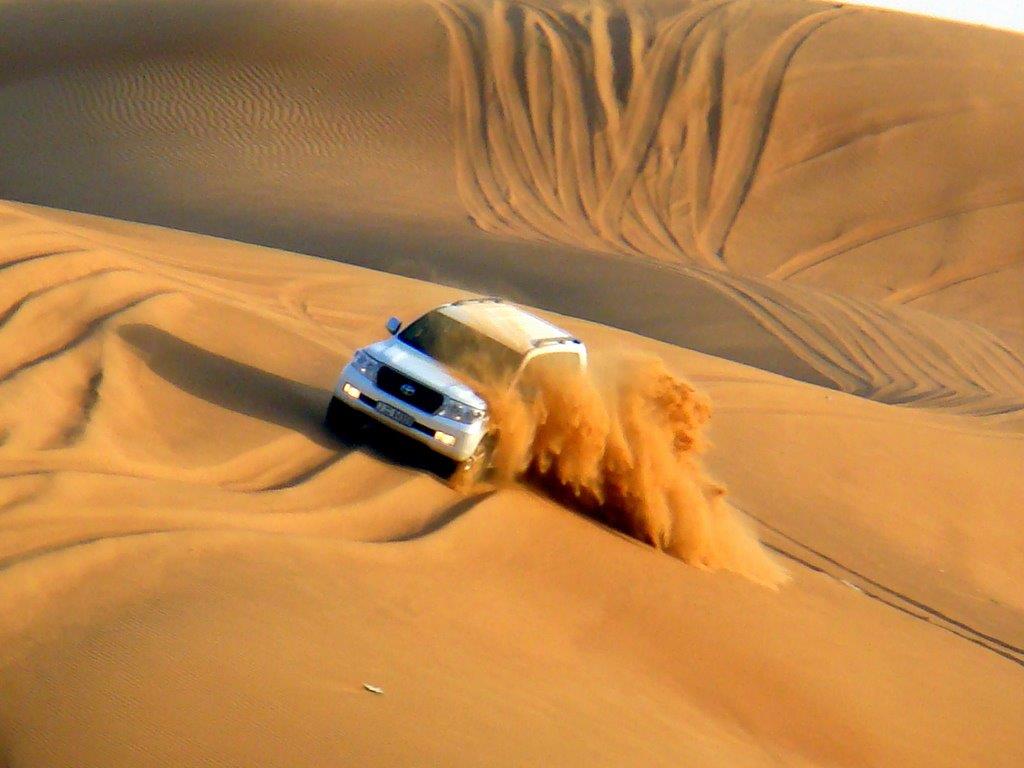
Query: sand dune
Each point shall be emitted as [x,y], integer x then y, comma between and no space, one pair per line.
[807,211]
[617,138]
[617,134]
[702,135]
[274,536]
[635,133]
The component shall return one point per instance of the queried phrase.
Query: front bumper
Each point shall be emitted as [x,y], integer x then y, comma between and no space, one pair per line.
[464,438]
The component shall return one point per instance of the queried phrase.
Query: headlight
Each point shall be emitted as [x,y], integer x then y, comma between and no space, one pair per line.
[456,411]
[366,365]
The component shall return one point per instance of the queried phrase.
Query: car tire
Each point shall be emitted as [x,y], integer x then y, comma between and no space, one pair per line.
[344,421]
[468,473]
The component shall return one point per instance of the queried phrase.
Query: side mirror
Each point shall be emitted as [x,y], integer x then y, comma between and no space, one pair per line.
[393,324]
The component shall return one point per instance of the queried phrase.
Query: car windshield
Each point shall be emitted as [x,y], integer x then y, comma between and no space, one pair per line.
[462,348]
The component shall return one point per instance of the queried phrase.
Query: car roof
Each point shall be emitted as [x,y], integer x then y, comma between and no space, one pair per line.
[506,323]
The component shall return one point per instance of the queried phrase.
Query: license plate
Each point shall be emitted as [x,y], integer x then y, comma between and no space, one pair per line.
[393,413]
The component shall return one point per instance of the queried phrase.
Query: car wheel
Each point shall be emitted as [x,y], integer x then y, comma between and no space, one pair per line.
[471,471]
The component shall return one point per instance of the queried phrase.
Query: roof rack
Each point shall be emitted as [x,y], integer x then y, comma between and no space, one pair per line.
[555,340]
[478,300]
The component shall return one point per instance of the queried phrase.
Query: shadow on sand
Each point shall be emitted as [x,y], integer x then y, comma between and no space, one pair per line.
[274,399]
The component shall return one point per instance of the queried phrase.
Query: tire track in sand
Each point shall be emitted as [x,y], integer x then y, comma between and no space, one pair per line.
[798,552]
[598,127]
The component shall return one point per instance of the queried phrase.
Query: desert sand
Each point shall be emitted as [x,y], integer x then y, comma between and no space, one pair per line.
[809,212]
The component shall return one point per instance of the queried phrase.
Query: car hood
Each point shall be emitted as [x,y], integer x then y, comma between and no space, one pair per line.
[425,369]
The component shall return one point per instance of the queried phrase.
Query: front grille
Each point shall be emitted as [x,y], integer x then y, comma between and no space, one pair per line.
[422,396]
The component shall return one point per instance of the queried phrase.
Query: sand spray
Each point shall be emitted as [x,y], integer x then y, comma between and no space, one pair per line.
[622,441]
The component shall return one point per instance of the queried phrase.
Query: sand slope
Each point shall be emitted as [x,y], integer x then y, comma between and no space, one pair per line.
[809,211]
[178,594]
[803,141]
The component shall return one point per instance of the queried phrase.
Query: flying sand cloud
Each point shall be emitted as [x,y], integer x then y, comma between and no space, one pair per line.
[622,441]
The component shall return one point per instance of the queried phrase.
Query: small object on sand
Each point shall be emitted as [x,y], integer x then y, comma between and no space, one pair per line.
[373,688]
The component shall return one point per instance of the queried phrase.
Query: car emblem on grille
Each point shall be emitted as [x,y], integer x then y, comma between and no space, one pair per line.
[407,389]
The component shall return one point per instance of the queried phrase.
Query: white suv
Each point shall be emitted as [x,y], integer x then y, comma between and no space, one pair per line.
[417,381]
